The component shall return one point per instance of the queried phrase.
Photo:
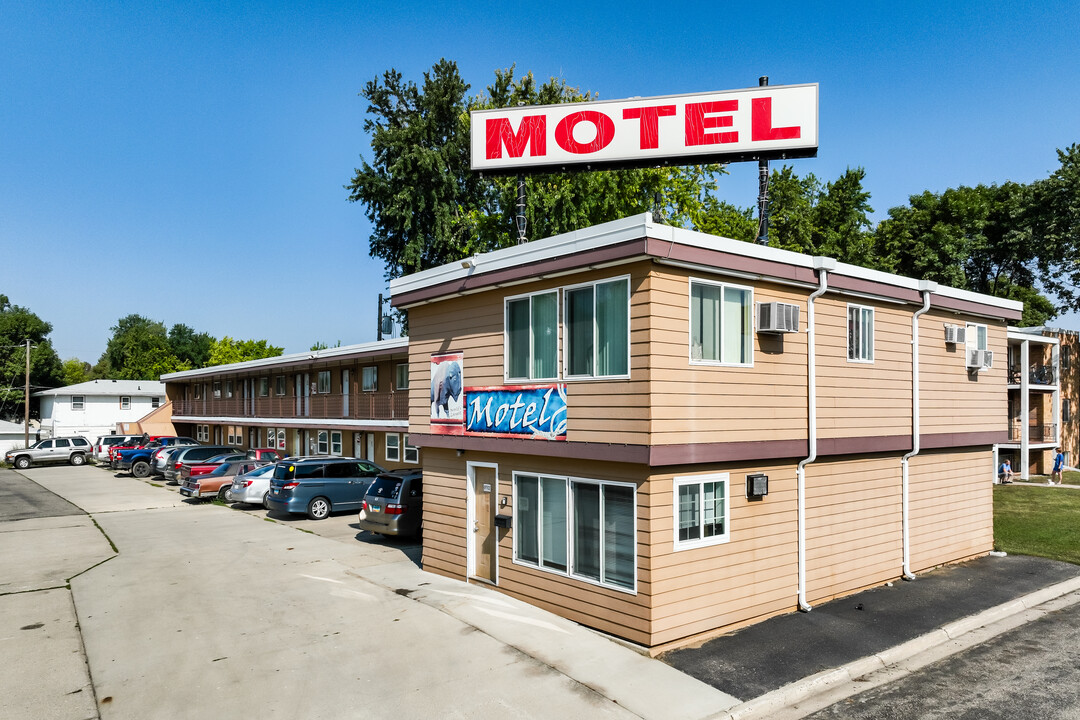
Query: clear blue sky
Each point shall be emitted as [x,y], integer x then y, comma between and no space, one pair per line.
[185,161]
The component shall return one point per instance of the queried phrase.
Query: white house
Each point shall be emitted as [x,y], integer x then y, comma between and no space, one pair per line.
[12,435]
[94,408]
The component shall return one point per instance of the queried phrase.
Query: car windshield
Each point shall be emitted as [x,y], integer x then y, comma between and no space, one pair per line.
[260,471]
[385,486]
[218,458]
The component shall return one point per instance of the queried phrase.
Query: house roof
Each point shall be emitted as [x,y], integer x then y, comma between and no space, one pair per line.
[362,350]
[110,388]
[10,428]
[638,237]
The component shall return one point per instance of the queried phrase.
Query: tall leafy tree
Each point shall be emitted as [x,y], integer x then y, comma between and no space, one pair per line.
[75,371]
[189,347]
[1054,215]
[17,325]
[138,350]
[428,208]
[226,351]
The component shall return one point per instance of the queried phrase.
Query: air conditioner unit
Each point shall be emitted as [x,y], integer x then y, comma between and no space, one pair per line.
[777,317]
[977,358]
[988,359]
[955,334]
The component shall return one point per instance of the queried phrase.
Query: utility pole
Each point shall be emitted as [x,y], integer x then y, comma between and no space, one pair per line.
[26,400]
[763,189]
[379,323]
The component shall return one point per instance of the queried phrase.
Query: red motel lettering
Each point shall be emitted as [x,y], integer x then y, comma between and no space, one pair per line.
[761,122]
[649,125]
[532,132]
[564,132]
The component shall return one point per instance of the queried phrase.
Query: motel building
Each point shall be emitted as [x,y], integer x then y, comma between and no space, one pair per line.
[349,401]
[664,435]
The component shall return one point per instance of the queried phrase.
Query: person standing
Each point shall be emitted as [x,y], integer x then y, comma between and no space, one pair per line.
[1059,465]
[1005,472]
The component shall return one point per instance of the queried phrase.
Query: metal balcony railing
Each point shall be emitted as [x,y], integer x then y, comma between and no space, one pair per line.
[357,406]
[1036,433]
[1038,375]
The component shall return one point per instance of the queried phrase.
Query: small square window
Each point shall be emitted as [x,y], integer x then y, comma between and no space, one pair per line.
[393,447]
[125,403]
[78,402]
[701,510]
[369,378]
[155,402]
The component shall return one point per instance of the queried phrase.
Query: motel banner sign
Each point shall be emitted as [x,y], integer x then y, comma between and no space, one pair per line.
[769,122]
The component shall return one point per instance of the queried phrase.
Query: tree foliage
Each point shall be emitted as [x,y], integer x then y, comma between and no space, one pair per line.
[138,350]
[189,347]
[226,351]
[428,208]
[17,325]
[75,371]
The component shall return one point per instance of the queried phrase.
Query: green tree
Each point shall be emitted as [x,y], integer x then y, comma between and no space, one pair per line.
[75,371]
[17,325]
[227,351]
[428,208]
[138,350]
[189,347]
[1054,216]
[320,345]
[726,220]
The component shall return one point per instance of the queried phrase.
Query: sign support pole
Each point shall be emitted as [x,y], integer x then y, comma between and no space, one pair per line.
[520,220]
[763,190]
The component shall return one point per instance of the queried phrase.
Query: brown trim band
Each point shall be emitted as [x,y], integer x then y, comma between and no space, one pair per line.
[697,453]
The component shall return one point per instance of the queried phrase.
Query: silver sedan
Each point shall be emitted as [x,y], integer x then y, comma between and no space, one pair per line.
[252,487]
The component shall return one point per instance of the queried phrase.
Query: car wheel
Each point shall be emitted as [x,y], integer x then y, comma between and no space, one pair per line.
[22,462]
[140,469]
[265,503]
[77,459]
[223,493]
[318,509]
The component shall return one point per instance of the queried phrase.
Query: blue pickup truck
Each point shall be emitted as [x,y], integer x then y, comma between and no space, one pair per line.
[137,460]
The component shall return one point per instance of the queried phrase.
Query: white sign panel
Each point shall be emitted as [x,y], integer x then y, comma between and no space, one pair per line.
[763,122]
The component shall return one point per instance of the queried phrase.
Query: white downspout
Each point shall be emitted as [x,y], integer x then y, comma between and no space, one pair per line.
[926,287]
[822,265]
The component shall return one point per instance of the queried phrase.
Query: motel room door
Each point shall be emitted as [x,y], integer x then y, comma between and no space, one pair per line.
[483,488]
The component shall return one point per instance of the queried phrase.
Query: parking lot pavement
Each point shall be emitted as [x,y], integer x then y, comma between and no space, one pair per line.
[97,490]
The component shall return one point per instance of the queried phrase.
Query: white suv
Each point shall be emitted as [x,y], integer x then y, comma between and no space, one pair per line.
[72,450]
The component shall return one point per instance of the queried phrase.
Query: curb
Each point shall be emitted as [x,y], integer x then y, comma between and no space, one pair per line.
[800,690]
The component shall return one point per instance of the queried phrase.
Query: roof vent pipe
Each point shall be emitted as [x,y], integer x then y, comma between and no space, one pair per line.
[925,287]
[822,265]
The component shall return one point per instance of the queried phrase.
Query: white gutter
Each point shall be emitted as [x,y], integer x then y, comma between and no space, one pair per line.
[926,287]
[822,265]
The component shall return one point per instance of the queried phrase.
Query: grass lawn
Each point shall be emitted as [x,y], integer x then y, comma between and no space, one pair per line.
[1038,521]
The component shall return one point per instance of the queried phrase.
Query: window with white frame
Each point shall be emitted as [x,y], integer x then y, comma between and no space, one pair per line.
[401,376]
[369,378]
[532,347]
[279,385]
[412,453]
[280,439]
[585,529]
[860,333]
[324,442]
[721,325]
[235,434]
[202,433]
[597,328]
[701,510]
[155,402]
[335,442]
[270,435]
[324,381]
[125,403]
[393,447]
[78,402]
[976,337]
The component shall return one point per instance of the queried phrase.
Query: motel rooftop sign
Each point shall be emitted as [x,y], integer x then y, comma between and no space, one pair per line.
[779,121]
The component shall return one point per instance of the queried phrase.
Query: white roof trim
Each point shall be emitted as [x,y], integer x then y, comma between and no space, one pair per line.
[639,226]
[312,355]
[286,422]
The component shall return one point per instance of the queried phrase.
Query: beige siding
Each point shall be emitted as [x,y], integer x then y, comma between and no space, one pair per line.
[951,506]
[607,411]
[954,400]
[863,399]
[705,403]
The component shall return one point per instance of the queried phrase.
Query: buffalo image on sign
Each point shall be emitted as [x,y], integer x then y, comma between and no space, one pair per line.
[519,411]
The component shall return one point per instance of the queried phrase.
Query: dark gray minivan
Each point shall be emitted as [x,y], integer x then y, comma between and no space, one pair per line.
[394,504]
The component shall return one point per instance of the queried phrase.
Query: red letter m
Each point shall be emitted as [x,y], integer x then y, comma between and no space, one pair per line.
[531,133]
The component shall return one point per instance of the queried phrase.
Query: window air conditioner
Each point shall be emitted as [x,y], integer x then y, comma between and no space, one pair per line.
[977,358]
[955,334]
[777,317]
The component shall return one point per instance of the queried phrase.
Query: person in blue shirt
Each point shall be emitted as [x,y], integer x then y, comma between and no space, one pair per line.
[1059,465]
[1005,472]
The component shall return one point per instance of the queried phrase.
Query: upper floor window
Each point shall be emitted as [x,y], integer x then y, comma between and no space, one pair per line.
[976,337]
[78,402]
[721,330]
[860,333]
[264,386]
[155,402]
[401,376]
[125,403]
[532,346]
[228,388]
[597,323]
[217,389]
[324,381]
[369,378]
[279,385]
[198,391]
